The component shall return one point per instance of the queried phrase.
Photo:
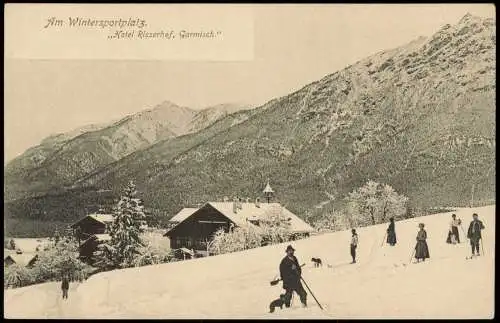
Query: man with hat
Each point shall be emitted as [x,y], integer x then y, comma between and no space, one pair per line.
[474,233]
[291,272]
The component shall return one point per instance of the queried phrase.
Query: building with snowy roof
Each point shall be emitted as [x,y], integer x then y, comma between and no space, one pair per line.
[91,224]
[22,259]
[197,225]
[182,215]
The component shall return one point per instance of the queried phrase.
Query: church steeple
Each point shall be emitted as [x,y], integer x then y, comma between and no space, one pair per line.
[268,192]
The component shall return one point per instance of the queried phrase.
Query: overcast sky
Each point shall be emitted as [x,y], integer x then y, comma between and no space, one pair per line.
[294,45]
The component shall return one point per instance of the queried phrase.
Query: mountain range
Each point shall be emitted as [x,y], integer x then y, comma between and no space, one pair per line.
[62,158]
[420,117]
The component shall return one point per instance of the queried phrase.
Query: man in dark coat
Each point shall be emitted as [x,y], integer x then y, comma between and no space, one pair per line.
[354,245]
[291,272]
[391,233]
[474,233]
[65,286]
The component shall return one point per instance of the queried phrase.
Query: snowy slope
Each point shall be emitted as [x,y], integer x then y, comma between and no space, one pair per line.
[237,285]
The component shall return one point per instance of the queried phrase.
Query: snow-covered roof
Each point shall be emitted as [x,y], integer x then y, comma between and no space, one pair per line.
[268,189]
[185,250]
[103,218]
[97,237]
[250,211]
[103,237]
[183,214]
[22,259]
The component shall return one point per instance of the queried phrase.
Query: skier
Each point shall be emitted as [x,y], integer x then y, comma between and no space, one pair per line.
[290,272]
[474,233]
[421,249]
[453,236]
[65,286]
[391,233]
[354,245]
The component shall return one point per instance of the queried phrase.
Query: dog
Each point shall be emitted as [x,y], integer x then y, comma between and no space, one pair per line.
[317,262]
[277,303]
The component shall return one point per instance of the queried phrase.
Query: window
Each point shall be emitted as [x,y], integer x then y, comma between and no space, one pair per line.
[199,244]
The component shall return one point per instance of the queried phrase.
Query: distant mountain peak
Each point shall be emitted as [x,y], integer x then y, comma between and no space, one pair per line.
[468,18]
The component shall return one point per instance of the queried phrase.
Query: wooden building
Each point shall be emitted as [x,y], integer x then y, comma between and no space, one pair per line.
[90,225]
[197,229]
[22,259]
[89,246]
[91,231]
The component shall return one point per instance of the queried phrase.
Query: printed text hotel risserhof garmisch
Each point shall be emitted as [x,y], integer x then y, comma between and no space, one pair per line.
[130,28]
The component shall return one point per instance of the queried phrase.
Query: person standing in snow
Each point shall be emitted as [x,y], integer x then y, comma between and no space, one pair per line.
[421,249]
[453,236]
[65,286]
[354,245]
[391,232]
[290,272]
[474,233]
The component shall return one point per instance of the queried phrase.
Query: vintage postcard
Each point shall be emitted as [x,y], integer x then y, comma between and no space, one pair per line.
[244,161]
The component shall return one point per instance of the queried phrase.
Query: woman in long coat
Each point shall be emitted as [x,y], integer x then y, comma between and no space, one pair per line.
[391,233]
[421,249]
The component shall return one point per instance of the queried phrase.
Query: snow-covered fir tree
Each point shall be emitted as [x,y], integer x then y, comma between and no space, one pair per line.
[126,228]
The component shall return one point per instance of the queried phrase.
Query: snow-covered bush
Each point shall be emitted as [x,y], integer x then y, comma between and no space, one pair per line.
[17,276]
[9,244]
[238,239]
[50,266]
[332,221]
[375,203]
[56,261]
[271,230]
[155,249]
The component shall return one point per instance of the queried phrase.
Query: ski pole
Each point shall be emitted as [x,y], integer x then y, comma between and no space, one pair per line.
[385,235]
[412,253]
[482,248]
[311,292]
[463,231]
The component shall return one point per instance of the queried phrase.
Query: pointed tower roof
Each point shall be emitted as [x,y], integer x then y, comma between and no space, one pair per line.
[268,188]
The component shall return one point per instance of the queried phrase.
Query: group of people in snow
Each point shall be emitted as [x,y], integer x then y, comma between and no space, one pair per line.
[473,233]
[422,249]
[290,270]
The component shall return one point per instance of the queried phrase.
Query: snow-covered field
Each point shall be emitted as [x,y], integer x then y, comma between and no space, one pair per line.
[29,245]
[236,285]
